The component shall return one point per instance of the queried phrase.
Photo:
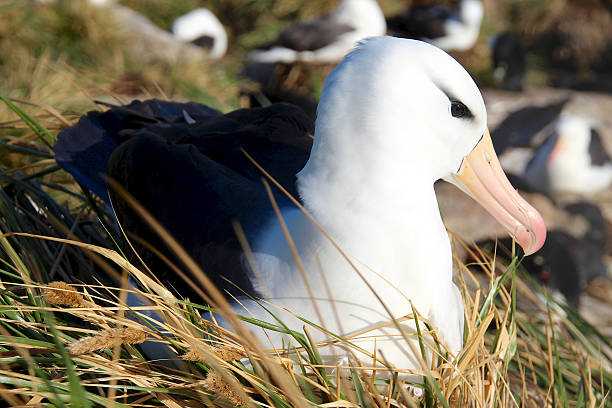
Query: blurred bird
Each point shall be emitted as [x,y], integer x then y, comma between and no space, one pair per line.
[509,60]
[201,27]
[552,150]
[572,159]
[326,39]
[451,30]
[526,127]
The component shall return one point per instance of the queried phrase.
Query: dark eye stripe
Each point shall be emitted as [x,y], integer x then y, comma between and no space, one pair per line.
[459,110]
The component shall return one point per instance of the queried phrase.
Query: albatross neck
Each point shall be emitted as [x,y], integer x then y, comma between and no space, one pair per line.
[379,205]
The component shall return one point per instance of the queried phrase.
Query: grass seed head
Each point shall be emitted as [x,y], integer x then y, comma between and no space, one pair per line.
[217,385]
[108,339]
[225,353]
[61,293]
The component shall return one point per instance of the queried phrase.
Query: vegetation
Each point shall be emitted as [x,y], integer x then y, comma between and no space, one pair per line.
[67,336]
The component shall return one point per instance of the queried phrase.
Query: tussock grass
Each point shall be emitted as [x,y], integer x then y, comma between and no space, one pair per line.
[52,230]
[67,54]
[77,342]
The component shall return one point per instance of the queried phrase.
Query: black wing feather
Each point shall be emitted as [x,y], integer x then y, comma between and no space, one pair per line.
[84,149]
[520,126]
[422,21]
[310,35]
[597,151]
[195,199]
[184,163]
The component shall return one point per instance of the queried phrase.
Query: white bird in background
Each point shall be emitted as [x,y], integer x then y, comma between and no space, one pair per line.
[455,30]
[203,28]
[326,39]
[395,116]
[572,159]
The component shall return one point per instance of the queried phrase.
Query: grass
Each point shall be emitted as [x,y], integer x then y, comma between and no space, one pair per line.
[79,345]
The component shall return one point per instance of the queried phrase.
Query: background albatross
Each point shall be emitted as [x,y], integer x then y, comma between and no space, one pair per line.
[325,39]
[368,181]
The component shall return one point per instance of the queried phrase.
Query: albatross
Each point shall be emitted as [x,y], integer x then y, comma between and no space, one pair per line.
[395,116]
[325,39]
[450,30]
[201,27]
[572,159]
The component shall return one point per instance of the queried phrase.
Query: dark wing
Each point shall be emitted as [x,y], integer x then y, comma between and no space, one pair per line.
[536,171]
[310,35]
[519,183]
[84,149]
[278,137]
[205,41]
[195,199]
[186,167]
[597,233]
[269,95]
[520,126]
[597,151]
[423,21]
[509,52]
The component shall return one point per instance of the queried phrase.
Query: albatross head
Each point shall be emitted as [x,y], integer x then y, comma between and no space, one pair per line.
[574,133]
[471,12]
[409,114]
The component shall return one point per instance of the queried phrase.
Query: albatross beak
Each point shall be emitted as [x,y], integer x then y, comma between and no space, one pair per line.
[482,177]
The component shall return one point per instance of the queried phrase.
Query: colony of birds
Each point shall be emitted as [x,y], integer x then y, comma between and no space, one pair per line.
[275,205]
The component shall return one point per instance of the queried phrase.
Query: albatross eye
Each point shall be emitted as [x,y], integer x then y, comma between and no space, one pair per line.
[459,110]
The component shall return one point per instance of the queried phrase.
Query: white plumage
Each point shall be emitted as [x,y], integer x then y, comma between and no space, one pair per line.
[462,31]
[565,161]
[199,23]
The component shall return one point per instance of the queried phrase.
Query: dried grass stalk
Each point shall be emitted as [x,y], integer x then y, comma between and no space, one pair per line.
[225,353]
[61,293]
[108,339]
[218,386]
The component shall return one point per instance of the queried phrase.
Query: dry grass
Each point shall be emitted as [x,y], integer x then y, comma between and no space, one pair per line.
[511,357]
[74,342]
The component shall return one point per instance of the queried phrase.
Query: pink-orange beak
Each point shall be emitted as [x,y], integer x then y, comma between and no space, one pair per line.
[482,177]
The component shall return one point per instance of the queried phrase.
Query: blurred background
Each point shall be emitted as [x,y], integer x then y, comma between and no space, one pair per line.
[51,49]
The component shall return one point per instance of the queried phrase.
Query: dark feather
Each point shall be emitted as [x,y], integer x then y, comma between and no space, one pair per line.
[205,41]
[84,150]
[597,151]
[509,52]
[422,21]
[520,126]
[310,35]
[193,177]
[537,167]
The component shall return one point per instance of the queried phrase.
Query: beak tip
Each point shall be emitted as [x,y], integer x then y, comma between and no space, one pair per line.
[537,235]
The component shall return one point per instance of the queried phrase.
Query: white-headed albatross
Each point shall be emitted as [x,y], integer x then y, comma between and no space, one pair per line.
[455,30]
[395,116]
[572,159]
[326,39]
[201,27]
